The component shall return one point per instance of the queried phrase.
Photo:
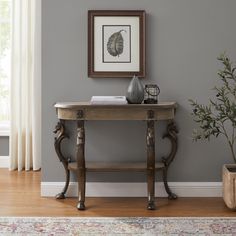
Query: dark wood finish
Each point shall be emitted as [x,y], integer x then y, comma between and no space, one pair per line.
[80,114]
[81,164]
[20,196]
[60,130]
[171,134]
[81,111]
[142,57]
[151,163]
[115,166]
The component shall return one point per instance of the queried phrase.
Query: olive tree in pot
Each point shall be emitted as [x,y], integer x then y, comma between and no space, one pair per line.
[219,118]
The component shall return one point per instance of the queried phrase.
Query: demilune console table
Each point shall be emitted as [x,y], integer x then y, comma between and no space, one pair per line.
[84,111]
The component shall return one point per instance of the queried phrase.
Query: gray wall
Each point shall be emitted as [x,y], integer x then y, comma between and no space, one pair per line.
[4,146]
[184,38]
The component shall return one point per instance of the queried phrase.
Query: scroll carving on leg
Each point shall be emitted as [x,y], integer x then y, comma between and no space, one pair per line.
[151,164]
[171,134]
[81,164]
[60,131]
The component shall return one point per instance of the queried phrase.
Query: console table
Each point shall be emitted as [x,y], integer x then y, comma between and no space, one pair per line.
[84,111]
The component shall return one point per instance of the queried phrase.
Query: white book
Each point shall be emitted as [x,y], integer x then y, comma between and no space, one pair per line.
[108,100]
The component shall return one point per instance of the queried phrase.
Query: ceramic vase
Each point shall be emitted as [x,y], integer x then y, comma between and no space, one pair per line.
[135,92]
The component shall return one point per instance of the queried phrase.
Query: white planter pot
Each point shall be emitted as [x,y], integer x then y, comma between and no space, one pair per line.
[229,185]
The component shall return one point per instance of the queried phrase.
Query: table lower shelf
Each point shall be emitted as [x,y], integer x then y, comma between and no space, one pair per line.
[115,166]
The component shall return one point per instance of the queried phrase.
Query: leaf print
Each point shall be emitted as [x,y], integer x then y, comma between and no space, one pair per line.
[115,44]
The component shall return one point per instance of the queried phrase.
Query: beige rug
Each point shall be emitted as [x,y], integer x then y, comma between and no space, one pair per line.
[117,226]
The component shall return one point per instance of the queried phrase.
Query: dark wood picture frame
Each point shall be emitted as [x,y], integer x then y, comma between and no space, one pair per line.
[141,44]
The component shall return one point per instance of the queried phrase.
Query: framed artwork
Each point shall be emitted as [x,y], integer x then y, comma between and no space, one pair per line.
[116,43]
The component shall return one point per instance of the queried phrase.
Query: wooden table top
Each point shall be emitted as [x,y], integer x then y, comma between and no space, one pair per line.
[76,105]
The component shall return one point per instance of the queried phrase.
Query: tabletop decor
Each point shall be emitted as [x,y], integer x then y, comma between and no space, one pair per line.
[112,226]
[219,118]
[116,43]
[151,92]
[135,92]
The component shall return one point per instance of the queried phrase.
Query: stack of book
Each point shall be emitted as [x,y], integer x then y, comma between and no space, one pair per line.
[108,100]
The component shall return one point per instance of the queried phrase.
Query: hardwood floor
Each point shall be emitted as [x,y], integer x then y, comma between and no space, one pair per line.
[20,196]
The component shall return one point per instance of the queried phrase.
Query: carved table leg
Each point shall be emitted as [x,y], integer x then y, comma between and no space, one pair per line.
[172,136]
[151,164]
[81,164]
[60,129]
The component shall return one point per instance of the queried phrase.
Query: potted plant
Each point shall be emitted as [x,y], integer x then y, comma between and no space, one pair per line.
[219,118]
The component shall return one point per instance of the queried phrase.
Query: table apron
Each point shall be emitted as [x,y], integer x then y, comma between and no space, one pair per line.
[114,114]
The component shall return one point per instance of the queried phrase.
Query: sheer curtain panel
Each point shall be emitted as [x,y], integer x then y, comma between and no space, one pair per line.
[25,136]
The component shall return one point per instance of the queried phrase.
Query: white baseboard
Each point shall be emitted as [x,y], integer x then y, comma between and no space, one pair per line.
[4,161]
[98,189]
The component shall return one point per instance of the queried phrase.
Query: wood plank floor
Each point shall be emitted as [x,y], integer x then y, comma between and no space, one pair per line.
[20,196]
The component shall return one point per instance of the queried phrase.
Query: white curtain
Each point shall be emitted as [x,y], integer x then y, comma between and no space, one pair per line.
[25,137]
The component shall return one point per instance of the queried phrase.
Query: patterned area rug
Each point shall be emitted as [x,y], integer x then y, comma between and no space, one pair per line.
[112,226]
